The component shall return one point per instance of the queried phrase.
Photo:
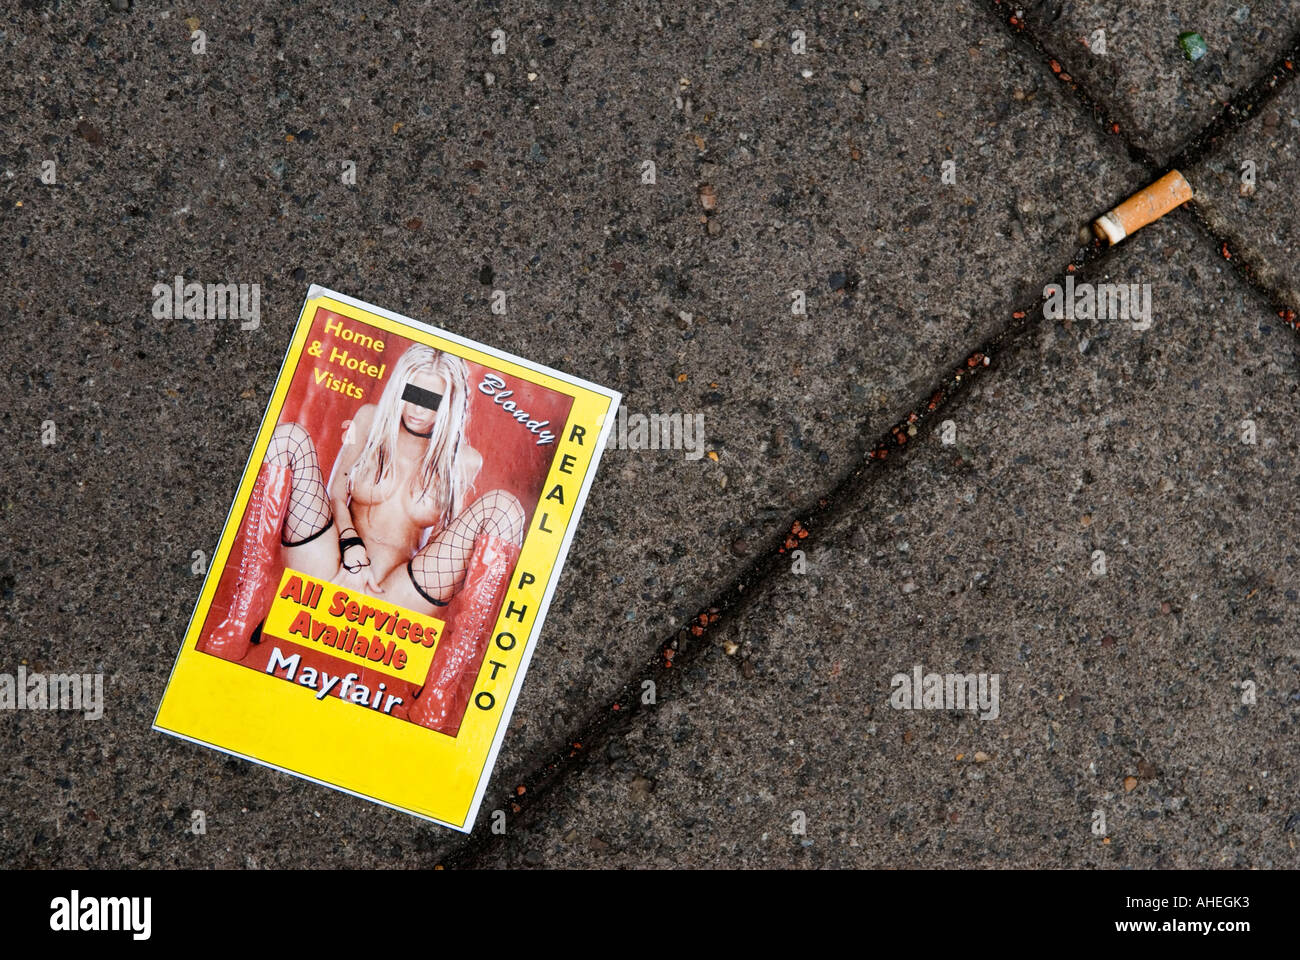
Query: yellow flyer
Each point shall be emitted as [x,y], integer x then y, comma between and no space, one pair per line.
[388,560]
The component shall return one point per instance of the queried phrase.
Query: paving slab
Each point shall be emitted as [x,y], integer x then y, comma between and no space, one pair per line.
[1246,190]
[1159,98]
[1146,714]
[521,172]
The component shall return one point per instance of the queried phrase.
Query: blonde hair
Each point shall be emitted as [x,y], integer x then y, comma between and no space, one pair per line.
[437,477]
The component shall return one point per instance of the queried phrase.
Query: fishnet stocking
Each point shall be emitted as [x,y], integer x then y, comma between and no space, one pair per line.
[309,505]
[439,568]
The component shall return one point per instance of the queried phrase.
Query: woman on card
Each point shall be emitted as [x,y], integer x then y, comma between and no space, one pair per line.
[395,521]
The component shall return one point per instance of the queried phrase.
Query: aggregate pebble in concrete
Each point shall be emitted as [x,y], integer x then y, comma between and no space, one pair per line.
[1159,97]
[226,167]
[1119,693]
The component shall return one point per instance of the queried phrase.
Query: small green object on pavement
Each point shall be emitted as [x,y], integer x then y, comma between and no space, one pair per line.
[1193,45]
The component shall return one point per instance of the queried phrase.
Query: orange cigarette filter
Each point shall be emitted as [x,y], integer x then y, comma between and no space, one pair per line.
[1146,206]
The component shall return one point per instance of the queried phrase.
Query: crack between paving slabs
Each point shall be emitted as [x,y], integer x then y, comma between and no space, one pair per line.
[1236,113]
[729,604]
[733,600]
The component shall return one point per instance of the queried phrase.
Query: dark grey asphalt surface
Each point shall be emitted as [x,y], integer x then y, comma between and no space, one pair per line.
[982,561]
[1143,78]
[224,167]
[1257,218]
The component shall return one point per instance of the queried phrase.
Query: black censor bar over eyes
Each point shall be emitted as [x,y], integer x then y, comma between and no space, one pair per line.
[421,397]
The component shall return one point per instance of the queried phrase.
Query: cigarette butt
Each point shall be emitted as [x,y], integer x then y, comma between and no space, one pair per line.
[1146,206]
